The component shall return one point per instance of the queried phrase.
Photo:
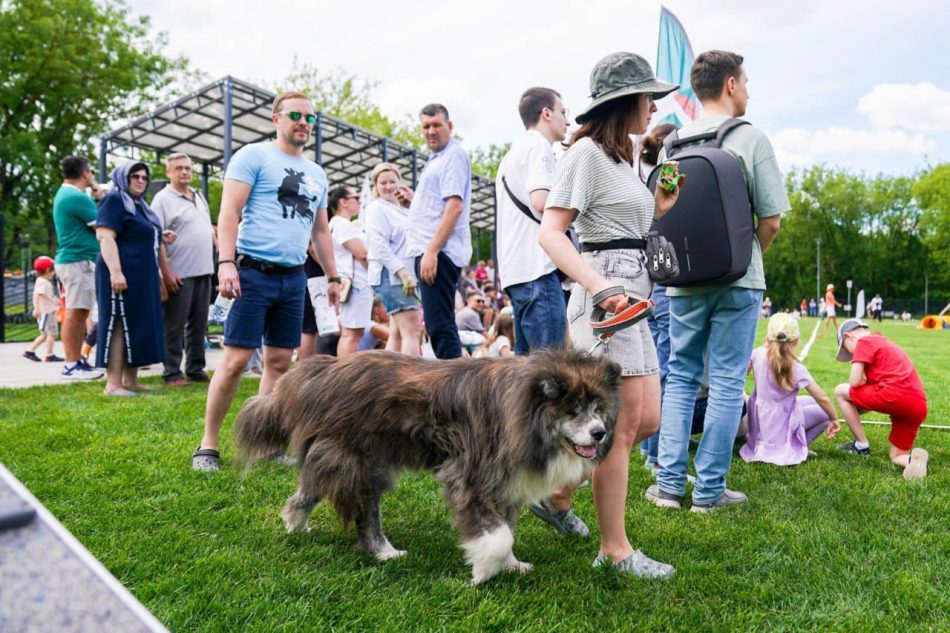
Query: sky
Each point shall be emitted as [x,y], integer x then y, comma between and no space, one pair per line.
[860,85]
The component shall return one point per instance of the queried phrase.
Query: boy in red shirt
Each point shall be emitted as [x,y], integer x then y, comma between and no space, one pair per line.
[883,379]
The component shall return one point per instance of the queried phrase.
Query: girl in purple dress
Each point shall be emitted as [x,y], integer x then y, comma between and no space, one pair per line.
[781,423]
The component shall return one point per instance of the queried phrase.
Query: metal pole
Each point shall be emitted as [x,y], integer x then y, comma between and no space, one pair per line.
[205,175]
[818,268]
[26,294]
[415,169]
[228,120]
[102,160]
[318,145]
[849,298]
[385,150]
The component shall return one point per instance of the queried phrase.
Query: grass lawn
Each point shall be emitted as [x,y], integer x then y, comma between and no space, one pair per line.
[840,542]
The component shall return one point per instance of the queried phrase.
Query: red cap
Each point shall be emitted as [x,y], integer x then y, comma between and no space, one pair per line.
[42,263]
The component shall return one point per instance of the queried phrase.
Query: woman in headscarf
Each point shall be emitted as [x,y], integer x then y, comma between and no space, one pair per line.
[127,281]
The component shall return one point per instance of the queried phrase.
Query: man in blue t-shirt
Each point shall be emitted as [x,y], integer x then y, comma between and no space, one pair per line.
[273,204]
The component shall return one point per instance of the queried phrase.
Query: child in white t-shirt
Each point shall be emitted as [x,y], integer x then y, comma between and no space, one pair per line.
[45,304]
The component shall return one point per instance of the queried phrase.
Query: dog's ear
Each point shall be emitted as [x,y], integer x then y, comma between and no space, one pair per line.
[552,387]
[614,373]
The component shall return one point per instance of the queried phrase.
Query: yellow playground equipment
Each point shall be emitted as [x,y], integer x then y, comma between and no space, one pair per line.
[936,321]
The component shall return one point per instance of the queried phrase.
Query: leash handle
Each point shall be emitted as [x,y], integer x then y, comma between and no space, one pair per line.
[626,315]
[607,293]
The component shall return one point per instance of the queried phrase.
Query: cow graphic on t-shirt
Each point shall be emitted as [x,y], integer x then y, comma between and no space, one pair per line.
[291,200]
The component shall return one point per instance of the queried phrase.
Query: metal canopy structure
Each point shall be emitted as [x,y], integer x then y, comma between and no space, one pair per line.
[213,122]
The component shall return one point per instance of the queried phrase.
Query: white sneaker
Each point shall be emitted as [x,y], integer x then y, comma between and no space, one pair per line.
[917,467]
[80,371]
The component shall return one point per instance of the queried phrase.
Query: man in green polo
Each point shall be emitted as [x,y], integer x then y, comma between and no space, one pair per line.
[74,215]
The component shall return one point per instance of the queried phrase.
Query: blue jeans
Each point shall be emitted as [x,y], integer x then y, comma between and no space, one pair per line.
[540,314]
[725,321]
[659,323]
[438,308]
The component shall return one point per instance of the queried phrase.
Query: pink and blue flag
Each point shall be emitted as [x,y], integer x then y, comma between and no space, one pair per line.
[674,57]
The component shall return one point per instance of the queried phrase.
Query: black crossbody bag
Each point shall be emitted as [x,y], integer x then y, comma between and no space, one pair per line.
[570,232]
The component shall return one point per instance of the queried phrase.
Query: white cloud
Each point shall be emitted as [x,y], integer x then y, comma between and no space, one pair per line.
[800,147]
[921,107]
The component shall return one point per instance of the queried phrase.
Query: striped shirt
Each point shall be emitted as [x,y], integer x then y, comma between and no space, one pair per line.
[610,199]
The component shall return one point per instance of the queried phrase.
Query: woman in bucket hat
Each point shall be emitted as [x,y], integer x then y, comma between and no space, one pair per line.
[597,186]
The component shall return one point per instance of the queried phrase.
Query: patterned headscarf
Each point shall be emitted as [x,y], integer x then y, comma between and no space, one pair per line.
[120,179]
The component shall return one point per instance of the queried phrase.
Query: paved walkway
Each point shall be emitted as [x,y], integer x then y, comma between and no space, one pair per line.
[16,371]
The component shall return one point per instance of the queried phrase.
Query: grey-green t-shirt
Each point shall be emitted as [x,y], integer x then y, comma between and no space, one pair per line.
[191,255]
[766,189]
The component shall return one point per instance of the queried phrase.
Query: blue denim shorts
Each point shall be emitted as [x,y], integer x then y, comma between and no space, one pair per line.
[633,348]
[394,299]
[270,308]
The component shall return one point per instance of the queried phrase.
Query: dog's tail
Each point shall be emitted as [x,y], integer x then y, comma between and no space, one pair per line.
[258,430]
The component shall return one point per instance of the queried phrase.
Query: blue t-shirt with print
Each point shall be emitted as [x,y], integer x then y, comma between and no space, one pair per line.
[286,193]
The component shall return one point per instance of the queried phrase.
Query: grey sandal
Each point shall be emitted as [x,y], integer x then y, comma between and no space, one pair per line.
[206,460]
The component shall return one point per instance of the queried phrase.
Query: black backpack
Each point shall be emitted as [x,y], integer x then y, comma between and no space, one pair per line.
[711,226]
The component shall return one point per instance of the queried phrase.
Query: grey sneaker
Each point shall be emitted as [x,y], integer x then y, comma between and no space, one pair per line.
[727,498]
[564,521]
[850,447]
[638,564]
[662,499]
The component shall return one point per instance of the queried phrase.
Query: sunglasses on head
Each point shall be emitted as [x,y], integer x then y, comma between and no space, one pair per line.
[295,116]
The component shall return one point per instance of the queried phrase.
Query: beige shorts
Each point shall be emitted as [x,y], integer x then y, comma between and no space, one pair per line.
[79,282]
[48,325]
[633,348]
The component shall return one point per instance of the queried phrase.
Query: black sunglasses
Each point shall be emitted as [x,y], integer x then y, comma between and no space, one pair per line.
[295,116]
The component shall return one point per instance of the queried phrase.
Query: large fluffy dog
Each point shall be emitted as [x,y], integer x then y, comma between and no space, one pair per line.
[498,433]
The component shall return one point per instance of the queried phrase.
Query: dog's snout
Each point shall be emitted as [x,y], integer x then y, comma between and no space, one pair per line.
[598,433]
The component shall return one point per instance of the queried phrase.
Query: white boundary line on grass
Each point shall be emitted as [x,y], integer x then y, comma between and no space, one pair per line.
[923,426]
[811,341]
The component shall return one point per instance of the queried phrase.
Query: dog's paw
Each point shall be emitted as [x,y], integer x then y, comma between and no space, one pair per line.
[390,554]
[513,564]
[295,522]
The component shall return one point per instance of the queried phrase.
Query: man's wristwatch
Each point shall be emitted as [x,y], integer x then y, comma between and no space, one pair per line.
[333,280]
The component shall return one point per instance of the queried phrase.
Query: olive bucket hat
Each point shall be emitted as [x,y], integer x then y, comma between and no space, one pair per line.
[621,74]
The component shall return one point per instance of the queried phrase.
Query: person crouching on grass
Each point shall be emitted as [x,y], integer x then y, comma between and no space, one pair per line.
[883,379]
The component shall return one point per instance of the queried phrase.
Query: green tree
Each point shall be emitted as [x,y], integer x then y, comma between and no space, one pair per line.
[344,96]
[68,68]
[485,160]
[869,230]
[932,191]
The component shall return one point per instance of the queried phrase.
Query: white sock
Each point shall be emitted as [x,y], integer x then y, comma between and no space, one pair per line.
[858,444]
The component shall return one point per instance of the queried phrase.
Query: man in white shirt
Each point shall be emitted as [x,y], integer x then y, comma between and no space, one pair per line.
[525,175]
[438,234]
[528,275]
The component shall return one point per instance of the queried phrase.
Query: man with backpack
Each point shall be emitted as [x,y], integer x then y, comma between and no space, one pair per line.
[720,316]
